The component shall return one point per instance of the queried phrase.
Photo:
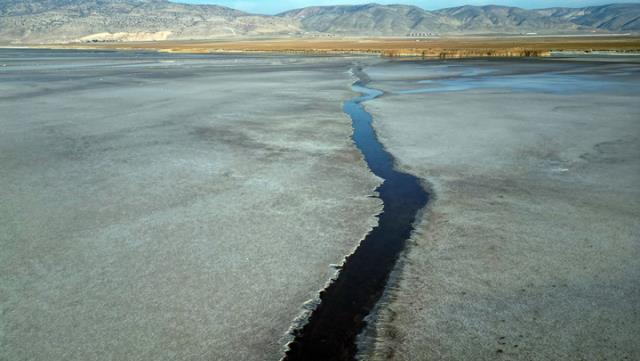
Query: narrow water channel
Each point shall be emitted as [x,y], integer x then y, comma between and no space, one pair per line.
[331,331]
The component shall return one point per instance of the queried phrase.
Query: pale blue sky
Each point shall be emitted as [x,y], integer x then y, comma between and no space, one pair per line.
[276,6]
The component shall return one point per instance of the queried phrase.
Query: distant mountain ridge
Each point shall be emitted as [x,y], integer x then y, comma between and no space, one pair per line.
[66,20]
[122,20]
[613,17]
[375,19]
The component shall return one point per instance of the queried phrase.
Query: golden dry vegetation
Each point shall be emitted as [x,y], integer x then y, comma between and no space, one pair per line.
[428,47]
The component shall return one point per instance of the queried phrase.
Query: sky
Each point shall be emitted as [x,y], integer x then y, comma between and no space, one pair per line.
[276,6]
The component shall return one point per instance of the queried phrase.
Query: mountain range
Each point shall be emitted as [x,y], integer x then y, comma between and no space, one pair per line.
[33,21]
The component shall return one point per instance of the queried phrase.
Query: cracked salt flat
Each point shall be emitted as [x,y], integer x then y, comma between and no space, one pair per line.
[529,249]
[171,212]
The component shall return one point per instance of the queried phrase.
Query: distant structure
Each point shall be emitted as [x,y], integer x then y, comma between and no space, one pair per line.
[421,34]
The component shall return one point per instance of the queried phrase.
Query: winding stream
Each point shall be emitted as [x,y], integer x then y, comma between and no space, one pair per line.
[331,331]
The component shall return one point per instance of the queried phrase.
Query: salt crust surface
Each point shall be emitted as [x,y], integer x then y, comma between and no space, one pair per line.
[530,249]
[171,207]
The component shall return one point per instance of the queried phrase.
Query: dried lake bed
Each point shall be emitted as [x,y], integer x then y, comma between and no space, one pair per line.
[186,207]
[171,207]
[530,247]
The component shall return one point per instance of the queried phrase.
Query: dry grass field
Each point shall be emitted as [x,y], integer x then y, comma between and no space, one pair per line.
[459,47]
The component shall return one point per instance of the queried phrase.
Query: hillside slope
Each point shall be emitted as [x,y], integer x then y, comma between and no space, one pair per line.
[370,19]
[375,19]
[63,20]
[613,17]
[27,21]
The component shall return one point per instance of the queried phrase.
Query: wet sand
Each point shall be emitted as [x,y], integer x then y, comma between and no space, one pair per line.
[531,248]
[171,207]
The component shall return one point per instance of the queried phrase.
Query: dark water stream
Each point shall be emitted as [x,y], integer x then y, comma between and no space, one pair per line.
[331,331]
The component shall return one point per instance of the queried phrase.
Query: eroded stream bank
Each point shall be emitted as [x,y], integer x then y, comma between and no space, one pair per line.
[331,331]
